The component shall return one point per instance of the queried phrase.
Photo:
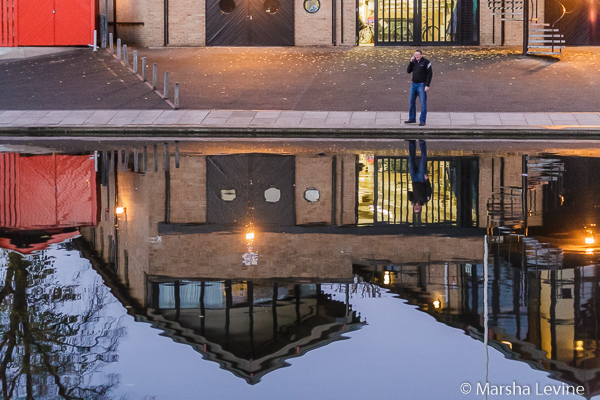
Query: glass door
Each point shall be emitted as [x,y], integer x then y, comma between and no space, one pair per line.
[416,22]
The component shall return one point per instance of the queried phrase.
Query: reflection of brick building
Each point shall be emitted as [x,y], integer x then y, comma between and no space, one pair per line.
[249,328]
[544,318]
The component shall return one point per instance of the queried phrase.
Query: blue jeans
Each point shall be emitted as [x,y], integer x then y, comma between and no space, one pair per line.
[417,89]
[417,174]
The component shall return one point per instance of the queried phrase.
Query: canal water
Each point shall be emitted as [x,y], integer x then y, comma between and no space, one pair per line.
[266,269]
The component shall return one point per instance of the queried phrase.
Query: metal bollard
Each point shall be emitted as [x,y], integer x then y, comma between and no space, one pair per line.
[110,41]
[176,96]
[95,40]
[144,69]
[135,61]
[125,57]
[119,49]
[154,75]
[166,87]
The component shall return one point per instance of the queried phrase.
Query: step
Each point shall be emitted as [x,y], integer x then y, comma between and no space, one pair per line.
[536,24]
[543,30]
[556,36]
[546,47]
[511,19]
[546,41]
[544,53]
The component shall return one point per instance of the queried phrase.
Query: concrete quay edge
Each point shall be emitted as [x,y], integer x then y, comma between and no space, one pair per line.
[306,124]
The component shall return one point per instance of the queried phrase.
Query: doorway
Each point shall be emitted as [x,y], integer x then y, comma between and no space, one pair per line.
[249,22]
[256,189]
[419,22]
[55,22]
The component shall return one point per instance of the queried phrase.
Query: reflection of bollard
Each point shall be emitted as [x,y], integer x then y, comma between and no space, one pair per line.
[176,154]
[125,57]
[176,97]
[145,159]
[135,159]
[119,49]
[167,158]
[166,86]
[155,151]
[154,75]
[144,69]
[135,61]
[110,41]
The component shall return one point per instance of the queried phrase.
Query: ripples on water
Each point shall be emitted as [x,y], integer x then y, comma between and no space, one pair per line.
[195,269]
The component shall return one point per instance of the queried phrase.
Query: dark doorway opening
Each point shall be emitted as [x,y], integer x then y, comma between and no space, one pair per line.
[250,23]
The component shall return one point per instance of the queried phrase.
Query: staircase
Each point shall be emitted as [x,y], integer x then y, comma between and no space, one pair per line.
[544,39]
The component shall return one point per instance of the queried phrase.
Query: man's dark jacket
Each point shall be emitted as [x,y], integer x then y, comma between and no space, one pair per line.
[421,192]
[421,71]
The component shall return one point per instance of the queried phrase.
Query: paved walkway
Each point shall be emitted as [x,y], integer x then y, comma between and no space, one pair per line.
[314,121]
[18,53]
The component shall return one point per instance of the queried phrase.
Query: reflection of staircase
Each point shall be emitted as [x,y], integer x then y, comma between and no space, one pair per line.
[505,209]
[543,38]
[541,255]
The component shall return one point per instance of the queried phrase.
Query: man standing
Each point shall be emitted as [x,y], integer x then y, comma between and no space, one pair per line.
[421,79]
[421,187]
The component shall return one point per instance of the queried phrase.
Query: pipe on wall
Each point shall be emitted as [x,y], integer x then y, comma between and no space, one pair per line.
[333,23]
[166,23]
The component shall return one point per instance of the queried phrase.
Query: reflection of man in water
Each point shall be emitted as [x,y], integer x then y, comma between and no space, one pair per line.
[418,174]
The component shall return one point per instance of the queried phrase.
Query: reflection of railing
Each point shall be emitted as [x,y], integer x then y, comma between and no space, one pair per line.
[453,200]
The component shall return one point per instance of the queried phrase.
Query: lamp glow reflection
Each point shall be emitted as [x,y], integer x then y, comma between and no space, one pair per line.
[437,304]
[589,240]
[386,278]
[250,236]
[120,210]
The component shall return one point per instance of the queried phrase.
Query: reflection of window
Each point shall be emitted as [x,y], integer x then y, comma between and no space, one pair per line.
[272,195]
[228,194]
[312,195]
[312,6]
[227,6]
[271,6]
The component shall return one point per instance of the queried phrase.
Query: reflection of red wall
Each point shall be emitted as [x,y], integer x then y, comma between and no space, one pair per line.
[47,191]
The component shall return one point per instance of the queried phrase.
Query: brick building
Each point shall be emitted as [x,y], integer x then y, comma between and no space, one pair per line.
[341,22]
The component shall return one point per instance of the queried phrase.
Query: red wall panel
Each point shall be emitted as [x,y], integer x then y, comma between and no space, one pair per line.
[9,183]
[74,22]
[8,29]
[36,22]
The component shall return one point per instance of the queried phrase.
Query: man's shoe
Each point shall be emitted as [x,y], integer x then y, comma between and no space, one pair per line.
[421,123]
[410,122]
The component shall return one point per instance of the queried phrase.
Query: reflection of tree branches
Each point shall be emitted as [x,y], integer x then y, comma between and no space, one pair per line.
[44,333]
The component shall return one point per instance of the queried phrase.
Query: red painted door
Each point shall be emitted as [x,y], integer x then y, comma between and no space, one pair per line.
[55,22]
[36,22]
[74,24]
